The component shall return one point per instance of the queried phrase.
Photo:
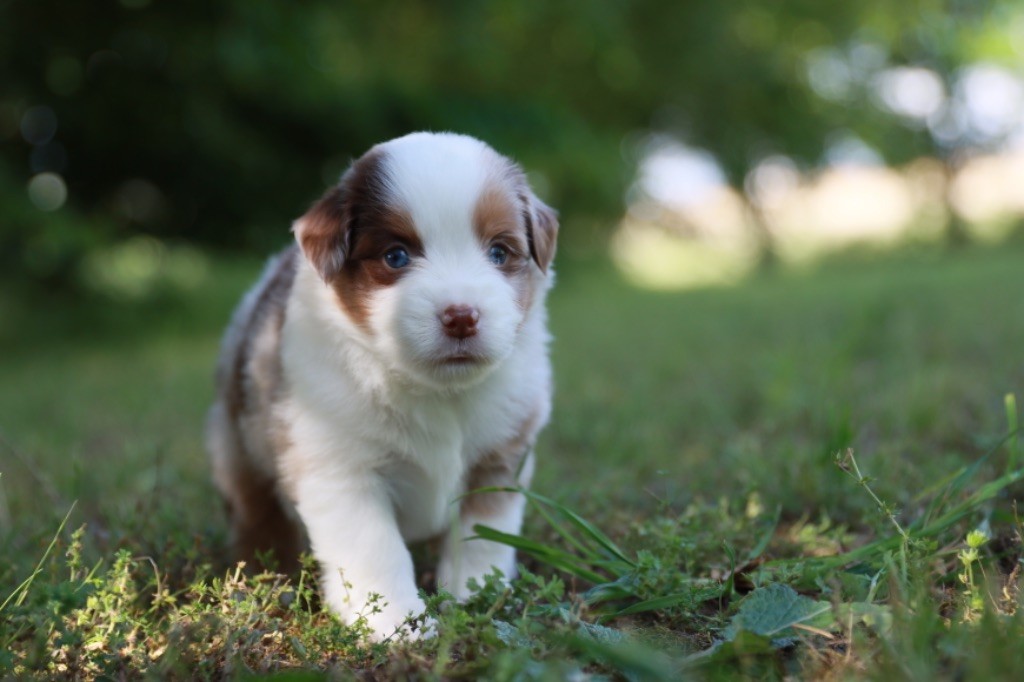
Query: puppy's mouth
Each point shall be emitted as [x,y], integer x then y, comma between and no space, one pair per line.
[458,359]
[461,353]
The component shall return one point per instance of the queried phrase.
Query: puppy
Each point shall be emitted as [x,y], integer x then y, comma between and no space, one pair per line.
[392,361]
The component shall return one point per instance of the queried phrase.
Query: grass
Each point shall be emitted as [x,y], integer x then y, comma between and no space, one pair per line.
[810,474]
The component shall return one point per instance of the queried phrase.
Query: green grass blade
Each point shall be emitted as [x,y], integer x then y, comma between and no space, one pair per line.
[590,531]
[21,591]
[556,558]
[1010,401]
[585,526]
[588,554]
[623,588]
[586,551]
[983,494]
[656,604]
[920,529]
[962,478]
[766,537]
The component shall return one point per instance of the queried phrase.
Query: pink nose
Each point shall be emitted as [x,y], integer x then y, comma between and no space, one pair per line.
[460,321]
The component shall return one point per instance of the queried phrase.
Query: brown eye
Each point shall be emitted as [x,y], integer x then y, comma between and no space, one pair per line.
[497,254]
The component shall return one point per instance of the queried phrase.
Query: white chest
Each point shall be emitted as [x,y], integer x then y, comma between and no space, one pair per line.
[426,474]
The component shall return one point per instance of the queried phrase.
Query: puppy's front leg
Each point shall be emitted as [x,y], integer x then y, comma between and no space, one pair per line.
[462,558]
[352,529]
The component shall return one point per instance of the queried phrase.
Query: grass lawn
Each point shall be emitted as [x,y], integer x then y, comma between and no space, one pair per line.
[696,433]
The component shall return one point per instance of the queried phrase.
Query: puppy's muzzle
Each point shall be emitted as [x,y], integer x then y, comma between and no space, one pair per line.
[459,321]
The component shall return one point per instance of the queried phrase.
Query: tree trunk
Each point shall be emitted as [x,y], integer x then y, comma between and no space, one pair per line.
[761,233]
[956,233]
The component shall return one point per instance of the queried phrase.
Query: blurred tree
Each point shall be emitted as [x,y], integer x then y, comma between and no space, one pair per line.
[916,102]
[730,77]
[218,121]
[748,80]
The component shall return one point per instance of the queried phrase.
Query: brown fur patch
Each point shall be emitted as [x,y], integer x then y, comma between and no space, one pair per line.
[364,270]
[347,232]
[541,229]
[540,220]
[269,309]
[261,526]
[500,468]
[322,233]
[497,220]
[259,521]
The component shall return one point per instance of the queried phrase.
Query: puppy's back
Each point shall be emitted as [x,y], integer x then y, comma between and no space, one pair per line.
[242,434]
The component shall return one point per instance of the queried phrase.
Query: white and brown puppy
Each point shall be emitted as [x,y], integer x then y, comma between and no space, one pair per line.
[393,360]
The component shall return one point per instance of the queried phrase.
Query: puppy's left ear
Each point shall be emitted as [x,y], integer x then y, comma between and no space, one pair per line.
[322,233]
[542,231]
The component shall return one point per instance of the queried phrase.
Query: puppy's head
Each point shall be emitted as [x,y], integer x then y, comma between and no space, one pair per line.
[436,251]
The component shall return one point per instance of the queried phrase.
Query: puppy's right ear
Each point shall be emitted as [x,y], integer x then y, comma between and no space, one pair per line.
[322,233]
[328,230]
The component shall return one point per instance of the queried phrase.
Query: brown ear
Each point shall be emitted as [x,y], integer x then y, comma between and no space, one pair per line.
[325,233]
[542,231]
[322,233]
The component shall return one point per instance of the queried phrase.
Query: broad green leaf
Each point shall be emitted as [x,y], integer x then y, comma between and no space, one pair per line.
[773,611]
[512,636]
[603,634]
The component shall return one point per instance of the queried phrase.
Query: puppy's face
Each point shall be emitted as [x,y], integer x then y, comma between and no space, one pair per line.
[436,250]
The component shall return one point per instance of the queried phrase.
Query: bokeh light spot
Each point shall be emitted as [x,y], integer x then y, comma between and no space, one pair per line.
[141,266]
[911,91]
[47,191]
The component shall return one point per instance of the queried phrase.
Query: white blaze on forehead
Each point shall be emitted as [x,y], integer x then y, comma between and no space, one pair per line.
[438,178]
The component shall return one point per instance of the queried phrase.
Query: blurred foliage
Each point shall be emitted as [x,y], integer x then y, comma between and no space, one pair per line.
[217,122]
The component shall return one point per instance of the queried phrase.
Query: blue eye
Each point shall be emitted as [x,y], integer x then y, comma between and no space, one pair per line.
[497,254]
[397,258]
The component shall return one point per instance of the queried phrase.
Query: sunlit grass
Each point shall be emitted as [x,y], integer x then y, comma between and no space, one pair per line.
[690,463]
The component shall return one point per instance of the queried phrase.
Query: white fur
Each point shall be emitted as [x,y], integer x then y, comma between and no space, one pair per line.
[381,435]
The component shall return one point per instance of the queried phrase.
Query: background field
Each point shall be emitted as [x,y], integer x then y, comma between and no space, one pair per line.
[682,422]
